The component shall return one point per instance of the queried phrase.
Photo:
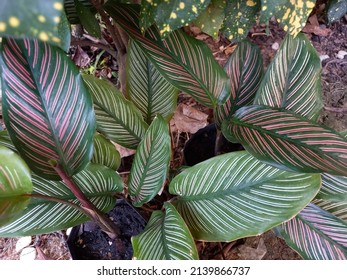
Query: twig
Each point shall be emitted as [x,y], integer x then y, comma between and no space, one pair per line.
[336,110]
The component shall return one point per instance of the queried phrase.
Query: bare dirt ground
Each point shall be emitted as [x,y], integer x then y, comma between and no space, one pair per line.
[328,39]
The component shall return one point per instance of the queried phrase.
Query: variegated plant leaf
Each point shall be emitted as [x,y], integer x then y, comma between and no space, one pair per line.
[245,71]
[105,153]
[293,79]
[166,237]
[71,11]
[5,140]
[117,118]
[333,195]
[292,15]
[289,141]
[87,19]
[32,18]
[240,16]
[151,163]
[48,211]
[170,15]
[47,109]
[15,183]
[234,195]
[147,88]
[211,19]
[336,9]
[316,234]
[185,62]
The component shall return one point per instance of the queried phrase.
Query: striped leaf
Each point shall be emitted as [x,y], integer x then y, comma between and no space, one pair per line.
[245,71]
[151,163]
[234,195]
[5,140]
[287,140]
[240,16]
[170,15]
[32,18]
[292,80]
[166,237]
[147,88]
[333,195]
[42,215]
[71,11]
[47,109]
[316,234]
[105,153]
[15,182]
[117,118]
[292,15]
[185,62]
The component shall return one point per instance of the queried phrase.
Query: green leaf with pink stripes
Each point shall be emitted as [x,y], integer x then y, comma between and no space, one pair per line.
[15,182]
[287,140]
[316,234]
[293,79]
[47,109]
[245,71]
[186,63]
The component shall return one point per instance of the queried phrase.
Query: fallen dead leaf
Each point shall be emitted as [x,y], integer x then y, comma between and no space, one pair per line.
[188,119]
[249,253]
[81,58]
[124,152]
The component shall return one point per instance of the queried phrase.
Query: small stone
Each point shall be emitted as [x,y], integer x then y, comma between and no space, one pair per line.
[68,231]
[275,46]
[28,253]
[22,243]
[341,54]
[324,57]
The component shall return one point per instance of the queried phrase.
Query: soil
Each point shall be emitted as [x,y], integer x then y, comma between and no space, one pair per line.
[89,242]
[267,245]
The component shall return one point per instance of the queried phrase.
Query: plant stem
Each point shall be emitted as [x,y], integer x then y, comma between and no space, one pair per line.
[88,207]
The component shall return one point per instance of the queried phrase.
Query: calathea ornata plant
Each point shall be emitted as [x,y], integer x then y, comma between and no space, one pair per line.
[58,164]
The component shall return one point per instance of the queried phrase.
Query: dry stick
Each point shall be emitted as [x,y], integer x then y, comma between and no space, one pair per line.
[104,222]
[118,40]
[336,110]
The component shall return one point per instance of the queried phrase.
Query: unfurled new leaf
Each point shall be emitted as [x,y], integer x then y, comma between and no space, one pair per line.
[234,195]
[47,109]
[166,237]
[293,79]
[151,163]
